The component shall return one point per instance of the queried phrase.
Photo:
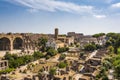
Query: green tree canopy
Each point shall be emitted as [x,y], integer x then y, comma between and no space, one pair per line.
[52,71]
[98,35]
[63,49]
[116,64]
[51,52]
[38,55]
[89,47]
[62,65]
[111,49]
[113,35]
[42,41]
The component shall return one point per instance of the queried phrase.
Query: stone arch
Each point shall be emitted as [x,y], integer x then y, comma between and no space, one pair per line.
[17,43]
[4,43]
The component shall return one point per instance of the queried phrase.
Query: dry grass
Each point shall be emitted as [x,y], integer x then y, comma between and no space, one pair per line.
[39,66]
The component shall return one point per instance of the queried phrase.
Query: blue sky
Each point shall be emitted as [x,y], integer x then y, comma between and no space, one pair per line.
[42,16]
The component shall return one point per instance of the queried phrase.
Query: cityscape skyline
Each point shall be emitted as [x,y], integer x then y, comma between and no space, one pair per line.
[42,16]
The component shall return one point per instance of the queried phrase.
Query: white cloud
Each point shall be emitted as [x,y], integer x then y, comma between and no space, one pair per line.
[53,5]
[116,5]
[99,16]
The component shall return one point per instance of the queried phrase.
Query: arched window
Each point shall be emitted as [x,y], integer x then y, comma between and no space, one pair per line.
[4,44]
[17,43]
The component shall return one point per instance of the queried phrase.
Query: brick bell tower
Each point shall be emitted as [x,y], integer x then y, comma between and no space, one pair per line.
[56,33]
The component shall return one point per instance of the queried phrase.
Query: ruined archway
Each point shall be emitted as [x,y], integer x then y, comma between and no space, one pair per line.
[4,43]
[17,43]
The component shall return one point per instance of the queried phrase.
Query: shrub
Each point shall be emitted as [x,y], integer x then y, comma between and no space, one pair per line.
[8,70]
[62,65]
[62,56]
[51,52]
